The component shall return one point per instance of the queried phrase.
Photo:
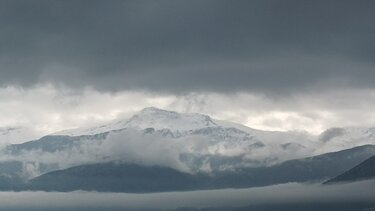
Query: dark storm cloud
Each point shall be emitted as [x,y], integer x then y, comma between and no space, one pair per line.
[182,46]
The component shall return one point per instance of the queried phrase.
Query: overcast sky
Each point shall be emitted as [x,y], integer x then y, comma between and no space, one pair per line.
[269,64]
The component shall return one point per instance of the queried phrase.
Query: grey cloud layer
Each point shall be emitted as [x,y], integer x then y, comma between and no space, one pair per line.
[183,46]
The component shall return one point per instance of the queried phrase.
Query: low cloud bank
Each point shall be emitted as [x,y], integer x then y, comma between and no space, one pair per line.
[191,153]
[359,192]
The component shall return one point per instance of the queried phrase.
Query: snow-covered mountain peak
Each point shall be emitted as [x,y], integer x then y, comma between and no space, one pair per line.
[153,110]
[162,119]
[151,118]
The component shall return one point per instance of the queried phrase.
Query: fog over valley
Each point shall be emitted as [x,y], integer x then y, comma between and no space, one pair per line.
[298,195]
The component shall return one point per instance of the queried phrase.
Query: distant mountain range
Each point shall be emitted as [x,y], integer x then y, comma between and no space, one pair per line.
[158,150]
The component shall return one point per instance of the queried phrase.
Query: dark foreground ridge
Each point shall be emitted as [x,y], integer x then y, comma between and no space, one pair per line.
[363,171]
[133,178]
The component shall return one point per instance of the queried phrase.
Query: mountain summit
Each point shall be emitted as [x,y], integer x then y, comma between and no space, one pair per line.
[151,117]
[162,119]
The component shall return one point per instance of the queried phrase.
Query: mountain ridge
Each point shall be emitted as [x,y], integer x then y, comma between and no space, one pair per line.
[363,171]
[192,142]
